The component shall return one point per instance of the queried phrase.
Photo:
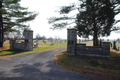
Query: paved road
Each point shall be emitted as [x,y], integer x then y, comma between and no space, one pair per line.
[37,66]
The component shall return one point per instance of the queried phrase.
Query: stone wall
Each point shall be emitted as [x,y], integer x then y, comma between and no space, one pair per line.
[17,46]
[81,49]
[104,51]
[27,45]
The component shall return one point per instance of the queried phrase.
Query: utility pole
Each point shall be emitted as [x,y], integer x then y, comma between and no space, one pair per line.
[1,26]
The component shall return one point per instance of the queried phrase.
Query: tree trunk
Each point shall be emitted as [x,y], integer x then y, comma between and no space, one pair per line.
[1,27]
[95,36]
[95,39]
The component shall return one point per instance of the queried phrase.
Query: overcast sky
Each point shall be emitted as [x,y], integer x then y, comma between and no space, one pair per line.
[46,9]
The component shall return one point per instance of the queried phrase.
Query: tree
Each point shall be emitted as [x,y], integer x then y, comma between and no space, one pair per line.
[13,15]
[1,26]
[38,36]
[95,17]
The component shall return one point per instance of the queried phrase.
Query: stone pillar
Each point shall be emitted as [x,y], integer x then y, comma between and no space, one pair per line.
[106,49]
[71,41]
[28,45]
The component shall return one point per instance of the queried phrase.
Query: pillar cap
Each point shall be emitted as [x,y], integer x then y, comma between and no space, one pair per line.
[28,30]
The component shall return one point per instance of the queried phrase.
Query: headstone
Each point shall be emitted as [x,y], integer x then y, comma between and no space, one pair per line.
[52,44]
[36,45]
[111,45]
[114,45]
[44,41]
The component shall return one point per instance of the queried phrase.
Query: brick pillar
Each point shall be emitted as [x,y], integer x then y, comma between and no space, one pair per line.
[106,49]
[71,41]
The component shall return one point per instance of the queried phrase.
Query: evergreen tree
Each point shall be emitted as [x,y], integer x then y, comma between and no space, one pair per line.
[13,15]
[95,17]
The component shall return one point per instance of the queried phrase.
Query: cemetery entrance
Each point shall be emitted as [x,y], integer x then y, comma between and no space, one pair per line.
[81,49]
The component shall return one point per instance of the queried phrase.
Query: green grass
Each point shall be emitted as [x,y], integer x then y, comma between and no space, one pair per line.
[107,68]
[42,46]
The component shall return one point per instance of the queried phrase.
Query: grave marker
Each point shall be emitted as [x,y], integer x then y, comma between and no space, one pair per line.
[114,45]
[52,44]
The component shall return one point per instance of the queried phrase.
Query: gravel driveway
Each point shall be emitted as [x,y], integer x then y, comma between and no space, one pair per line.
[37,66]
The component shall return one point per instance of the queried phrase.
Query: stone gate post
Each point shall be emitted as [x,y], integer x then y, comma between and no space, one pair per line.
[28,40]
[71,41]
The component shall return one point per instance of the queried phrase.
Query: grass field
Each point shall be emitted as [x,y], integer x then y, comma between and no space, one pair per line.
[107,68]
[5,50]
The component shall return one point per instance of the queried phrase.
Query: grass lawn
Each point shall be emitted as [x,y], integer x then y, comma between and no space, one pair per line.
[107,68]
[5,50]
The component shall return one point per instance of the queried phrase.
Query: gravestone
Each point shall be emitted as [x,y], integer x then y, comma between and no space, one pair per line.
[111,45]
[44,41]
[52,44]
[114,45]
[71,41]
[60,42]
[36,43]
